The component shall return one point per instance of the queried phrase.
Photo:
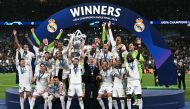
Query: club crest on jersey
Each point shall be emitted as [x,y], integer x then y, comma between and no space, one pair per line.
[139,25]
[52,26]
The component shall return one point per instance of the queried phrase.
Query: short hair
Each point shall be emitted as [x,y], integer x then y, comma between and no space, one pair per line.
[55,77]
[105,61]
[46,52]
[21,59]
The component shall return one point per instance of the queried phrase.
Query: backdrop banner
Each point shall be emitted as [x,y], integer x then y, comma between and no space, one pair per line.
[138,25]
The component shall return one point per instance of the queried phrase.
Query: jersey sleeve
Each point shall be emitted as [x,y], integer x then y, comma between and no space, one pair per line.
[36,39]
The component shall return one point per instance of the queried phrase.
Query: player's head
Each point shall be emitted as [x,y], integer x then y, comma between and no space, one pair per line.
[42,67]
[118,40]
[22,62]
[131,47]
[46,55]
[25,47]
[59,55]
[105,47]
[75,62]
[118,63]
[105,65]
[130,58]
[60,44]
[93,46]
[97,40]
[45,41]
[55,80]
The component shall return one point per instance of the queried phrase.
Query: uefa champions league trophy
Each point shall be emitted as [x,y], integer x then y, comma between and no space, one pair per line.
[77,40]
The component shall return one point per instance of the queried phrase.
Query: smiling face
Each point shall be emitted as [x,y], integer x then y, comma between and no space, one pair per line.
[131,47]
[26,48]
[118,40]
[45,41]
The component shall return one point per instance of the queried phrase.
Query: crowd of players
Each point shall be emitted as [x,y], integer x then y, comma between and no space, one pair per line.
[102,69]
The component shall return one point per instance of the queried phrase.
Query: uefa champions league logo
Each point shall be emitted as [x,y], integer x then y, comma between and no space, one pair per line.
[52,26]
[139,25]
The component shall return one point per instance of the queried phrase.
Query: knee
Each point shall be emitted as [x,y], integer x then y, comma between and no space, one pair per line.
[80,98]
[109,98]
[129,96]
[139,96]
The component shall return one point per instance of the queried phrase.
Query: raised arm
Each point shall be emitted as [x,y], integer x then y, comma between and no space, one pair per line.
[16,38]
[57,37]
[16,58]
[28,39]
[35,37]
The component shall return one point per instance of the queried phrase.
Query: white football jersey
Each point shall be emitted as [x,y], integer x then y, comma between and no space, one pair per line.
[27,56]
[41,80]
[118,72]
[132,68]
[106,76]
[24,75]
[76,75]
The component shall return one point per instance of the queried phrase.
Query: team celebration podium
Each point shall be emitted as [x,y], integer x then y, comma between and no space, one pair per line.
[152,99]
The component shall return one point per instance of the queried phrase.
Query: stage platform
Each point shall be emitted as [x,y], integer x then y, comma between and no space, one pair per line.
[152,99]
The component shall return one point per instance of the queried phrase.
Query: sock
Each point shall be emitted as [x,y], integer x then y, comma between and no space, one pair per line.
[122,104]
[115,104]
[81,103]
[45,103]
[62,99]
[50,98]
[129,103]
[32,103]
[21,103]
[69,102]
[101,103]
[110,102]
[140,102]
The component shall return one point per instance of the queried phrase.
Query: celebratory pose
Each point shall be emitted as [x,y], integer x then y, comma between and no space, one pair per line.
[42,80]
[75,83]
[133,80]
[56,90]
[24,80]
[47,47]
[25,53]
[91,82]
[106,85]
[118,89]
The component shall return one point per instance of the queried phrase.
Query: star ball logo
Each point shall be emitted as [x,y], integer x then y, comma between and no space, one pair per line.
[139,25]
[52,26]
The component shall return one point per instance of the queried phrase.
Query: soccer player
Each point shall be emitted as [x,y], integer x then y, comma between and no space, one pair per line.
[133,80]
[75,83]
[24,80]
[105,55]
[106,85]
[56,91]
[25,53]
[42,80]
[118,89]
[47,47]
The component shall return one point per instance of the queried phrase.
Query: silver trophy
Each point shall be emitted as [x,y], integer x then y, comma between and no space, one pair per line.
[77,39]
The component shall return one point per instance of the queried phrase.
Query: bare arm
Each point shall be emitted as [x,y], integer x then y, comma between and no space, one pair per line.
[16,38]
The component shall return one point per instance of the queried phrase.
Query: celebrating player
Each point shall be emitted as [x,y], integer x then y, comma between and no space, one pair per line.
[106,85]
[56,90]
[42,79]
[24,80]
[133,80]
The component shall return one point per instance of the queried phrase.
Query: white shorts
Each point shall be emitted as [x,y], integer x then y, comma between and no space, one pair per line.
[24,88]
[75,89]
[118,91]
[37,92]
[134,86]
[105,88]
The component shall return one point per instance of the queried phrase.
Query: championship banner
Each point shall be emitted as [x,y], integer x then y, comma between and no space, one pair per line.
[136,24]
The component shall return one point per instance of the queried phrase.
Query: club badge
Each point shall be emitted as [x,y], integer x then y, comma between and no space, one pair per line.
[139,25]
[52,26]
